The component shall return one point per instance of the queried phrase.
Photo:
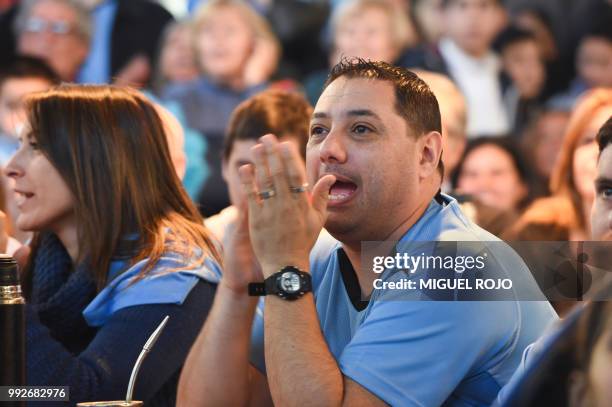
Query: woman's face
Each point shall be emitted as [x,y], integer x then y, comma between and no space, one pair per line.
[224,44]
[585,155]
[366,35]
[489,175]
[43,199]
[550,130]
[177,60]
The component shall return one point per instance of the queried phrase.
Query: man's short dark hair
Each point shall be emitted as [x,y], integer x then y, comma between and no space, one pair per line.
[604,135]
[414,101]
[284,114]
[26,68]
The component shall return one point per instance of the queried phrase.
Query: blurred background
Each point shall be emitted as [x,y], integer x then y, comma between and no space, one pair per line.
[523,85]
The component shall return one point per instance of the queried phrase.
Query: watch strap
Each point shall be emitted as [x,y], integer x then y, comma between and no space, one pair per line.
[266,288]
[257,289]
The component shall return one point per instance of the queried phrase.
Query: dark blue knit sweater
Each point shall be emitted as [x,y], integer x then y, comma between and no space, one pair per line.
[63,350]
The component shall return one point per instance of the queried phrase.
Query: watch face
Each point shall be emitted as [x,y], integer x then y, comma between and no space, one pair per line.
[290,282]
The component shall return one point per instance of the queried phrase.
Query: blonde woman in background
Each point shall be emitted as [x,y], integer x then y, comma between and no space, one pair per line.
[236,53]
[371,29]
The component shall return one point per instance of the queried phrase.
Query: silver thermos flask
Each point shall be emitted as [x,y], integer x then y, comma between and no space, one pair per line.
[12,325]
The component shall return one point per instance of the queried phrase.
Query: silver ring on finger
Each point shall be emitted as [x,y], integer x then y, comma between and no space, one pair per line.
[300,189]
[267,194]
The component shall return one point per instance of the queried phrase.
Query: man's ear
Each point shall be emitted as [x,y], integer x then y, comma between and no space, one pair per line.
[578,394]
[430,146]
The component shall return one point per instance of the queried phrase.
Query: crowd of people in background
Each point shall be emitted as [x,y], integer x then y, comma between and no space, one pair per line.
[518,68]
[523,89]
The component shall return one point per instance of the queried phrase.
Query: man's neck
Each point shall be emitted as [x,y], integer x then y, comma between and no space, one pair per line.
[353,248]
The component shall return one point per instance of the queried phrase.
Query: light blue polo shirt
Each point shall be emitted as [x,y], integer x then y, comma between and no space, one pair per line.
[423,353]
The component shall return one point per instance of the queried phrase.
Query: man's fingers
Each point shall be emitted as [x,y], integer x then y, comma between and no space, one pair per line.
[243,211]
[294,166]
[262,171]
[277,168]
[320,193]
[247,180]
[242,223]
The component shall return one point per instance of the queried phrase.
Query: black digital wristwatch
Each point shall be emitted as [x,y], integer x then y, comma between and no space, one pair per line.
[290,283]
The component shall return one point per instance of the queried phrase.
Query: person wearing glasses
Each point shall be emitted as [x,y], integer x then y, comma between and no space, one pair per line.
[57,31]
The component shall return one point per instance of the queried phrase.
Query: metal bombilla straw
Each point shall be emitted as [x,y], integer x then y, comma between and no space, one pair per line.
[145,350]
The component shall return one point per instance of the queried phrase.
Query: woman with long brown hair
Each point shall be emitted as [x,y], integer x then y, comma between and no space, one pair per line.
[564,215]
[117,245]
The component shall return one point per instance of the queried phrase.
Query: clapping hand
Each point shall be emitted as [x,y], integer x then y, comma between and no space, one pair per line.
[285,218]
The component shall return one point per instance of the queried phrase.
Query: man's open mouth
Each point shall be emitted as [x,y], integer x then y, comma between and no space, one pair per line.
[341,192]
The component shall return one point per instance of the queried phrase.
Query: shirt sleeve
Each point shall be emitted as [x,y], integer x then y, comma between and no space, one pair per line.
[102,370]
[415,353]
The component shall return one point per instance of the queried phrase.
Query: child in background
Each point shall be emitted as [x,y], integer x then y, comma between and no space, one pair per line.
[524,68]
[176,65]
[465,54]
[177,61]
[593,61]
